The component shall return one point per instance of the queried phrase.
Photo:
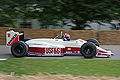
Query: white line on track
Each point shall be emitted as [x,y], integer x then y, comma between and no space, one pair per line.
[3,59]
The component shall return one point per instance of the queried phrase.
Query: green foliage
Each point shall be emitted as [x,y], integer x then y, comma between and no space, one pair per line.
[49,12]
[5,20]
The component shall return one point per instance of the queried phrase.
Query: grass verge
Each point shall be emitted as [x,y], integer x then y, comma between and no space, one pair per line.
[75,67]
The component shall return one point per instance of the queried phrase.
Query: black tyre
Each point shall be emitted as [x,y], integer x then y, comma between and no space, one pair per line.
[88,50]
[19,49]
[94,41]
[26,39]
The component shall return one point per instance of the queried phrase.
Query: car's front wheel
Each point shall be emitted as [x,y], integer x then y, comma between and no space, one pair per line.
[88,50]
[19,49]
[94,41]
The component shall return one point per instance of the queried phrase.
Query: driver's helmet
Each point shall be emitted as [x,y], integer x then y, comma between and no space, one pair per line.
[66,37]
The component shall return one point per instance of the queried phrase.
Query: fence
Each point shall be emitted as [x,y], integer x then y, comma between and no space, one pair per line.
[104,37]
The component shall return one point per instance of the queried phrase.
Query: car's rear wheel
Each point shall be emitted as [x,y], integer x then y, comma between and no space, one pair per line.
[94,41]
[19,49]
[88,50]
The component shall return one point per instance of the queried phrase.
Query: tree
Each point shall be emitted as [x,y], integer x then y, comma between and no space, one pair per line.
[80,11]
[11,10]
[50,12]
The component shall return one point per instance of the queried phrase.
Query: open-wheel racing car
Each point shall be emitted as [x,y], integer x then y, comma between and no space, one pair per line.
[21,47]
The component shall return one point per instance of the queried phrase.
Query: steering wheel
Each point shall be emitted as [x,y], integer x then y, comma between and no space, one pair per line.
[61,36]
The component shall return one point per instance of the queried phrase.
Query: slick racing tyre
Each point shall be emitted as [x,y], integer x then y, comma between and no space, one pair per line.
[88,50]
[94,41]
[19,49]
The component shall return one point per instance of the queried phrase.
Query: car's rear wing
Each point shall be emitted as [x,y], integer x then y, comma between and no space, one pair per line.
[13,36]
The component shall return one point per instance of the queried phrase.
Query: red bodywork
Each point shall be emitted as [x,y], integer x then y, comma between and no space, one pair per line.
[62,51]
[45,51]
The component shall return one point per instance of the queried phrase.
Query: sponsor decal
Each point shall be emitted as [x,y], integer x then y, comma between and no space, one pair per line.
[45,51]
[12,39]
[78,51]
[9,35]
[53,50]
[69,48]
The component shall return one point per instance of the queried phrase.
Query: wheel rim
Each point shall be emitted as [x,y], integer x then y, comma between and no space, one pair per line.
[88,51]
[19,49]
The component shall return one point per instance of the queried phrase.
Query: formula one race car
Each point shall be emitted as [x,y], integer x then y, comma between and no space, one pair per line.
[21,47]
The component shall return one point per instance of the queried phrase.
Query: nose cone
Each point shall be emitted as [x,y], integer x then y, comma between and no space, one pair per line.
[104,53]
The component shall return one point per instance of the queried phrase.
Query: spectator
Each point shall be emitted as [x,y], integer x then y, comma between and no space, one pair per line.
[118,26]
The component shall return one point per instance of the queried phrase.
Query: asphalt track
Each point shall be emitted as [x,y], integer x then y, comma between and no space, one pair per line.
[5,53]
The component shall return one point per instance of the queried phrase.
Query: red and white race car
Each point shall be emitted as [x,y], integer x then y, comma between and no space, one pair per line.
[21,47]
